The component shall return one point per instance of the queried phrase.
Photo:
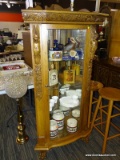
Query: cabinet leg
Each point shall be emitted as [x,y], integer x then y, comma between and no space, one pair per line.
[86,139]
[42,155]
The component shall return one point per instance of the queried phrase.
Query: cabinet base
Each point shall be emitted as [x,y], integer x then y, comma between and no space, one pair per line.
[42,155]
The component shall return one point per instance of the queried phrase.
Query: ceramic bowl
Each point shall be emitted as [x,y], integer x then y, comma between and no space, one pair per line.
[69,102]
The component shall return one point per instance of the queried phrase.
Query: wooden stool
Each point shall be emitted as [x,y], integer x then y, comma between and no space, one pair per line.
[111,95]
[94,87]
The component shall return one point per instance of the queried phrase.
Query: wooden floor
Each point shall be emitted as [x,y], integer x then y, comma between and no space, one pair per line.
[79,150]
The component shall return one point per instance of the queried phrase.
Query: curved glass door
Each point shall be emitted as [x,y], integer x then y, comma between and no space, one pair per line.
[66,50]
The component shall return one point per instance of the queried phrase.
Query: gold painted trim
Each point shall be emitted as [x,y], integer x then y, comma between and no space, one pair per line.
[51,16]
[93,44]
[37,61]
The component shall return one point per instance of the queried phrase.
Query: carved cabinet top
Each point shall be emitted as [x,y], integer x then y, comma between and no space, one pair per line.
[33,15]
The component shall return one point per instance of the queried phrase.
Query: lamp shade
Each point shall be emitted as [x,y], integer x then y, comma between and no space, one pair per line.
[15,85]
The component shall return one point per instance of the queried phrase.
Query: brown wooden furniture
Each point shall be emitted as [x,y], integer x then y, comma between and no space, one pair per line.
[94,87]
[27,48]
[114,47]
[45,26]
[112,95]
[106,72]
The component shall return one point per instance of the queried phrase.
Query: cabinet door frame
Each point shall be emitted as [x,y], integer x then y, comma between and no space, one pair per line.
[40,66]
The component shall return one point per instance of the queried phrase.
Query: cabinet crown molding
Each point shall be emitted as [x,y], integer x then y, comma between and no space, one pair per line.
[62,16]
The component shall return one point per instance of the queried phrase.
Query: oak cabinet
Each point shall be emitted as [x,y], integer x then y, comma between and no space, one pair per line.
[100,73]
[45,27]
[106,72]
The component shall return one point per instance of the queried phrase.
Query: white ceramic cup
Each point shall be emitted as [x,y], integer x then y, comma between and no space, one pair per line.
[79,92]
[55,98]
[76,113]
[52,101]
[62,90]
[51,105]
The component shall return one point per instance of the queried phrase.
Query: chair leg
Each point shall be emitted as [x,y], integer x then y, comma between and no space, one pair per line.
[107,126]
[101,115]
[95,113]
[90,108]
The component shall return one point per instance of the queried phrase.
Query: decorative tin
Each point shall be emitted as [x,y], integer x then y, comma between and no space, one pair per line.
[53,128]
[55,55]
[71,125]
[59,117]
[69,76]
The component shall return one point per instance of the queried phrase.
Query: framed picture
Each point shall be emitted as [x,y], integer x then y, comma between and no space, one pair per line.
[53,77]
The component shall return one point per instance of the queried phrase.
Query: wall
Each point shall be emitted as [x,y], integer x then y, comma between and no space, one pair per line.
[78,4]
[11,17]
[11,21]
[13,26]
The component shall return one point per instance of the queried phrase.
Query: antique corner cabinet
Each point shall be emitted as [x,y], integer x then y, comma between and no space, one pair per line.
[45,27]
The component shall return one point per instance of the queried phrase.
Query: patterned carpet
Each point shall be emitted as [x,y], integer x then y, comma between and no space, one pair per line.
[10,150]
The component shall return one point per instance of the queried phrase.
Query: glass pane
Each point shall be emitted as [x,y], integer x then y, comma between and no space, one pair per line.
[66,49]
